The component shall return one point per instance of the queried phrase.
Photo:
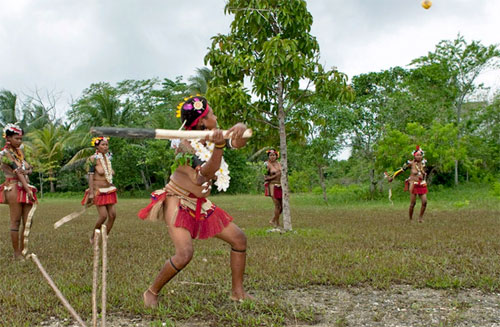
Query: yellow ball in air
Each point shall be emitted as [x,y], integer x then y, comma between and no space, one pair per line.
[426,4]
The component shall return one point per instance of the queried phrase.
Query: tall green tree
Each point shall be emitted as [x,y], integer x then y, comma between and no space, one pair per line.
[47,145]
[198,83]
[270,44]
[461,63]
[8,107]
[100,106]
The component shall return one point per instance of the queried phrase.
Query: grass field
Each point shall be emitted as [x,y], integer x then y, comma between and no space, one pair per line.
[342,244]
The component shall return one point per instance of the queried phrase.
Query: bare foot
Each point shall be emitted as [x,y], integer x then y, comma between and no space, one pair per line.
[19,257]
[420,220]
[241,297]
[150,299]
[272,223]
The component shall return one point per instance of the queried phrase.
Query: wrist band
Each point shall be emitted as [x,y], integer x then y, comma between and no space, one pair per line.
[221,146]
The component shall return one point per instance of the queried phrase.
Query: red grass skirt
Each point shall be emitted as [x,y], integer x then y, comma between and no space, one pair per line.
[22,195]
[207,225]
[277,194]
[417,188]
[101,198]
[202,226]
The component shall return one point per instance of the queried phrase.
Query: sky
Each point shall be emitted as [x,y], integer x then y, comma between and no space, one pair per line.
[62,46]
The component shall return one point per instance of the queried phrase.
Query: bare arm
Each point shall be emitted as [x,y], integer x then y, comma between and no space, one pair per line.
[213,164]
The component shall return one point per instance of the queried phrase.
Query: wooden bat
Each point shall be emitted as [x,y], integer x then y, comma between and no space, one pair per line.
[159,134]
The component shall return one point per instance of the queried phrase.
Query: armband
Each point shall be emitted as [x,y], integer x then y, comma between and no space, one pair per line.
[221,146]
[91,169]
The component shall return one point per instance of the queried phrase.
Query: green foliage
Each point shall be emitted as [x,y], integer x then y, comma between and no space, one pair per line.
[246,177]
[300,181]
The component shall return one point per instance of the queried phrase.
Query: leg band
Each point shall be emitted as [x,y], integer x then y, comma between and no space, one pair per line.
[150,291]
[239,251]
[14,230]
[172,263]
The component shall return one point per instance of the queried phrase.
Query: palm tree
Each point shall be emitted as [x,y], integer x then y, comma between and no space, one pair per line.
[100,106]
[199,82]
[47,145]
[8,110]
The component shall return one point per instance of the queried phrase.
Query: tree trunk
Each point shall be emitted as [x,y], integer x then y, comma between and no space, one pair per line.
[145,180]
[322,182]
[40,178]
[456,172]
[52,186]
[287,218]
[373,183]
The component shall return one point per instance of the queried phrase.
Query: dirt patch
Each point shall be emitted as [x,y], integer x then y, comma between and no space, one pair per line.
[400,306]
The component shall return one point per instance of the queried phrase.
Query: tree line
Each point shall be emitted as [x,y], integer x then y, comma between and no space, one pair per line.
[266,72]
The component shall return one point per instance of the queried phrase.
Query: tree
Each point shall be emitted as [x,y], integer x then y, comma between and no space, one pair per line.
[47,145]
[198,84]
[330,123]
[270,44]
[8,107]
[462,63]
[100,106]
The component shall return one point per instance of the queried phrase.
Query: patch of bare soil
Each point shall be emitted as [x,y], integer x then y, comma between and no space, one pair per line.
[362,306]
[400,306]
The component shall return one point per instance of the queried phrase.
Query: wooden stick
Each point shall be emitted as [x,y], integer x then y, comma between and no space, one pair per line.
[97,234]
[104,237]
[27,229]
[160,134]
[56,290]
[70,217]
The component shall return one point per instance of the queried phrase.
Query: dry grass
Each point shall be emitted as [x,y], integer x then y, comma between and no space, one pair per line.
[340,244]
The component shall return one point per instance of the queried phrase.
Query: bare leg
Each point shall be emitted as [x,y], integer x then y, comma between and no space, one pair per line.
[16,211]
[233,235]
[15,226]
[102,211]
[183,253]
[413,200]
[277,211]
[111,212]
[423,199]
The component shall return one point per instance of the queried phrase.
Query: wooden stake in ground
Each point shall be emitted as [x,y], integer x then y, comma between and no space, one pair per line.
[97,234]
[56,290]
[104,237]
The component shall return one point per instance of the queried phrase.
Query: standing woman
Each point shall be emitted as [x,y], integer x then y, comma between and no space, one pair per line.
[101,191]
[416,183]
[16,191]
[273,184]
[183,203]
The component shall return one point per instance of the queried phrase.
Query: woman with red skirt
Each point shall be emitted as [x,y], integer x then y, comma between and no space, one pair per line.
[16,190]
[183,203]
[101,191]
[416,183]
[272,185]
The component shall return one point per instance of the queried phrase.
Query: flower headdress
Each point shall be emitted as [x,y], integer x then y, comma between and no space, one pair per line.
[13,128]
[191,110]
[97,140]
[417,150]
[277,153]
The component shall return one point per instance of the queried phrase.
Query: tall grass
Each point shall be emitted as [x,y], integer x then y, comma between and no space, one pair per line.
[343,243]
